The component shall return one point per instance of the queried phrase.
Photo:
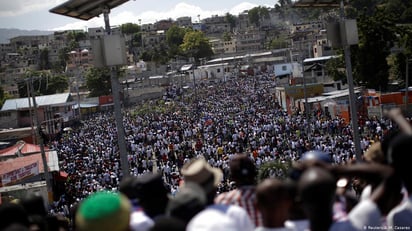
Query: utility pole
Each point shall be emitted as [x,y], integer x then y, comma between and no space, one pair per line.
[121,140]
[41,142]
[33,132]
[86,10]
[352,97]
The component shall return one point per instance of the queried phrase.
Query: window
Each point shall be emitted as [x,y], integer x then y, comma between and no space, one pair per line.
[5,114]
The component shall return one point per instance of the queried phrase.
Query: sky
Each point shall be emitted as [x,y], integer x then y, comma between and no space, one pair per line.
[35,15]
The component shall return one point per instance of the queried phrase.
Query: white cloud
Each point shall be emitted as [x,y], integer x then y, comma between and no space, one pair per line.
[242,7]
[179,10]
[10,8]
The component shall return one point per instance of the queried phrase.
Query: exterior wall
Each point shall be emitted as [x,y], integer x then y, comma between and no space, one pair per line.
[395,97]
[213,71]
[95,33]
[229,46]
[184,22]
[21,118]
[8,119]
[283,69]
[251,41]
[163,24]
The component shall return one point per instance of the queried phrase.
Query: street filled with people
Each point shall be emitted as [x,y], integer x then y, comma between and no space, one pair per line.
[229,130]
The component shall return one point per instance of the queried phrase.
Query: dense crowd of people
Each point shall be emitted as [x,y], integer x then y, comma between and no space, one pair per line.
[216,123]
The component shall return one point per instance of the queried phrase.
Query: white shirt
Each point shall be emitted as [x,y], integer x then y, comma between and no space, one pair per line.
[139,221]
[297,225]
[230,217]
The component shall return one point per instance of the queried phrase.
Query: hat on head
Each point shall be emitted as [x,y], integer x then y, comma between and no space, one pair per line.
[374,153]
[199,171]
[103,211]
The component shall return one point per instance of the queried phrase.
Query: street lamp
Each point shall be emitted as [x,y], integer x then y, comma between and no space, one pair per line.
[113,55]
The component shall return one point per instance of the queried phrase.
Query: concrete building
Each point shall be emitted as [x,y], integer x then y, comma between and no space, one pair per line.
[18,113]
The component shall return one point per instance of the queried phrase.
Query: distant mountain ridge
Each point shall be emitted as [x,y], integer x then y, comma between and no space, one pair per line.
[7,34]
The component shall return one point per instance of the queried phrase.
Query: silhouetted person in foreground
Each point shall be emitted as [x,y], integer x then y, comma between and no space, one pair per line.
[316,190]
[274,201]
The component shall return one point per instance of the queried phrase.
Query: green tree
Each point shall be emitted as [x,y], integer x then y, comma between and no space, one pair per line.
[399,60]
[98,81]
[129,28]
[76,35]
[174,38]
[44,60]
[44,83]
[274,168]
[196,45]
[3,96]
[74,38]
[376,38]
[227,36]
[137,39]
[279,42]
[231,19]
[63,57]
[336,68]
[256,14]
[133,31]
[57,84]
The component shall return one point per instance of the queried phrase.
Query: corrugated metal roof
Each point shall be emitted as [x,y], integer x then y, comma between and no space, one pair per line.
[27,157]
[19,162]
[322,58]
[23,147]
[269,59]
[23,103]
